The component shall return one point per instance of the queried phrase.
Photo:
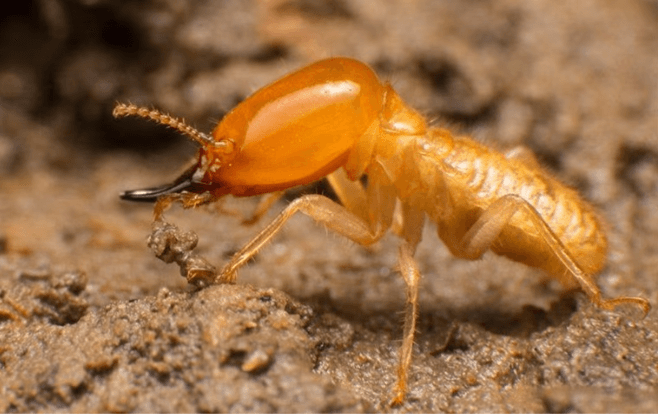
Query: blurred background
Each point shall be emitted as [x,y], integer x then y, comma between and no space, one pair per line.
[576,82]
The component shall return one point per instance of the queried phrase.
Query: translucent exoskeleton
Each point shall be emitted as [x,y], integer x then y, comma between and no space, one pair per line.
[336,119]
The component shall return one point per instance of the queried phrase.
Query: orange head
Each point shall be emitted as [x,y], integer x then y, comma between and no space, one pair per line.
[291,132]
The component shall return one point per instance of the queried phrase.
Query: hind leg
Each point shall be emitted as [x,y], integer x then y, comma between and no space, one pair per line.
[489,225]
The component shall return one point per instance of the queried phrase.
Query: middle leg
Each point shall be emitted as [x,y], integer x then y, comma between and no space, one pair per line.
[411,232]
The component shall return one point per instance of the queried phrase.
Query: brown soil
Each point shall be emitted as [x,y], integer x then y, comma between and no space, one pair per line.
[90,320]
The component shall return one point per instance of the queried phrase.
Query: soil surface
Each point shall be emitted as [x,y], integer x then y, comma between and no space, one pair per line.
[90,320]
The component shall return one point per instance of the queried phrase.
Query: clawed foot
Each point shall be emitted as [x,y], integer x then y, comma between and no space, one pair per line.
[611,304]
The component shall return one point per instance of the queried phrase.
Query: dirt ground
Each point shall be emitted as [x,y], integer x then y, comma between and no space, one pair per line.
[90,320]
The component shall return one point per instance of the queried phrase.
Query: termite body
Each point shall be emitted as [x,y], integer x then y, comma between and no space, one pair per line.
[335,118]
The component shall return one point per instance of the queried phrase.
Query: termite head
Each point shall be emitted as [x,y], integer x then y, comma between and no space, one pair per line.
[197,178]
[292,132]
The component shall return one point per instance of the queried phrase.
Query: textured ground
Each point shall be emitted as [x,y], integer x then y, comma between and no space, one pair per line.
[90,320]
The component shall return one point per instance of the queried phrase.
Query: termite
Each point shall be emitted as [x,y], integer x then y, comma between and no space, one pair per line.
[336,119]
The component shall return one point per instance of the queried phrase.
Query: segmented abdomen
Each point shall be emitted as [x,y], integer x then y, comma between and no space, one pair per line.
[476,176]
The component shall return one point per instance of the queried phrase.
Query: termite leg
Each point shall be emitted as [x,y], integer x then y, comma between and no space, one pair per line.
[411,276]
[321,209]
[412,227]
[188,200]
[350,193]
[263,206]
[362,223]
[377,204]
[486,229]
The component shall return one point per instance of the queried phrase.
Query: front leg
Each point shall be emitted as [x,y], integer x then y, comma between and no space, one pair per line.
[188,200]
[321,209]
